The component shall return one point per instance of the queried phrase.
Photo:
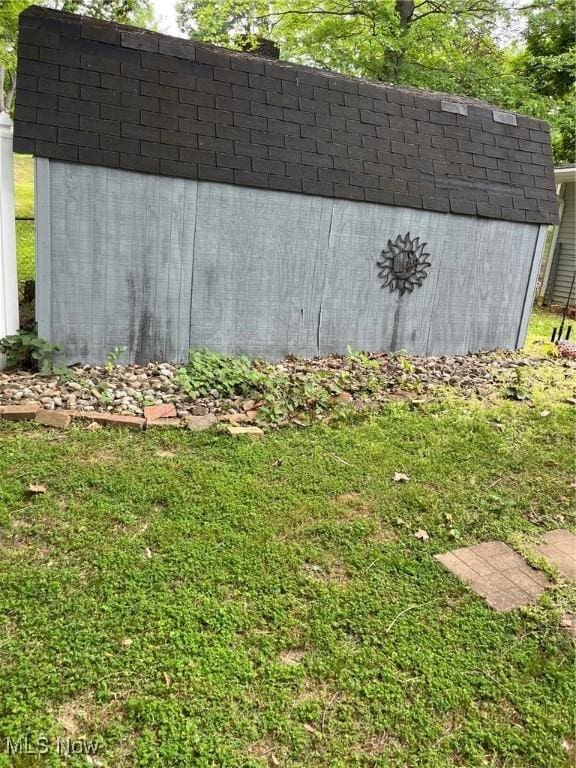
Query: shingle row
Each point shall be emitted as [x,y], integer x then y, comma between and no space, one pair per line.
[99,93]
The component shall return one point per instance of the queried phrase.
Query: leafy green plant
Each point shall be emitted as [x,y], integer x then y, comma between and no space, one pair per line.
[27,350]
[104,394]
[112,358]
[208,371]
[517,389]
[361,358]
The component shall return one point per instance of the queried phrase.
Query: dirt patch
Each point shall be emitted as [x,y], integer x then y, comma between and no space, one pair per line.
[334,573]
[317,691]
[79,717]
[383,535]
[265,749]
[352,506]
[18,545]
[379,745]
[105,456]
[293,656]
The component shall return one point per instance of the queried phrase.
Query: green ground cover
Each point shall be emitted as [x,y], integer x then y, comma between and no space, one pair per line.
[194,600]
[24,194]
[190,600]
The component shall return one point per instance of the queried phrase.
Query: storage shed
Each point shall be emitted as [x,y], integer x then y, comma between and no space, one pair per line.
[192,196]
[558,284]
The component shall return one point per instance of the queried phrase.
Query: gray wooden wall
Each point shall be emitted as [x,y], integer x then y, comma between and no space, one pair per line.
[159,265]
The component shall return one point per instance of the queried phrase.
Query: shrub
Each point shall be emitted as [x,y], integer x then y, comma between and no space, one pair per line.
[27,350]
[207,371]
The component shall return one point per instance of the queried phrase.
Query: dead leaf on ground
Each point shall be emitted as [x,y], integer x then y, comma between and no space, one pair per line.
[126,642]
[37,488]
[400,477]
[422,535]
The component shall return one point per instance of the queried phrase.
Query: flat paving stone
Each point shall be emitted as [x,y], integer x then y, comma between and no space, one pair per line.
[497,573]
[559,548]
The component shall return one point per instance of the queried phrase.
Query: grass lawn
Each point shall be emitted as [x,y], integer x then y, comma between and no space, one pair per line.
[191,600]
[24,194]
[24,185]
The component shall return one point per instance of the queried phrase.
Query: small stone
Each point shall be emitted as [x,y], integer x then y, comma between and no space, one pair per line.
[199,423]
[234,418]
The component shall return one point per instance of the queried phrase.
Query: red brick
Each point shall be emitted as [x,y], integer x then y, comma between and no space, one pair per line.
[163,423]
[250,431]
[55,419]
[111,419]
[235,418]
[24,412]
[198,423]
[164,411]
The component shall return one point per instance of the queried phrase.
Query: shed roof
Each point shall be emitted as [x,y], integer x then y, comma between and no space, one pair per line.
[101,93]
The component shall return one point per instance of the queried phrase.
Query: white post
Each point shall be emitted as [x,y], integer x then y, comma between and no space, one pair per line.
[9,320]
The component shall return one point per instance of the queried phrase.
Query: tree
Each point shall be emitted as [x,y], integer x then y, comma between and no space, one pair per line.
[136,12]
[441,44]
[9,12]
[548,63]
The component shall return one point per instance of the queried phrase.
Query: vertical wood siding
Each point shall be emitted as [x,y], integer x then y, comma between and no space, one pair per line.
[159,265]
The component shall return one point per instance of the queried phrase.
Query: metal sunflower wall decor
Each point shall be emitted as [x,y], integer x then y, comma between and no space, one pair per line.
[403,264]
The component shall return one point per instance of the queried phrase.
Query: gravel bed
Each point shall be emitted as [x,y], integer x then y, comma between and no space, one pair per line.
[127,389]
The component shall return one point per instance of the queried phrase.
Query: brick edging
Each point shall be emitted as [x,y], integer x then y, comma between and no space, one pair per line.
[158,416]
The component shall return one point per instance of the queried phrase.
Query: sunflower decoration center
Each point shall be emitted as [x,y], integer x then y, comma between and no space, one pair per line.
[403,264]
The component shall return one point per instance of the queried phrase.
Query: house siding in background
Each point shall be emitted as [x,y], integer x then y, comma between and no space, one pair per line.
[567,255]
